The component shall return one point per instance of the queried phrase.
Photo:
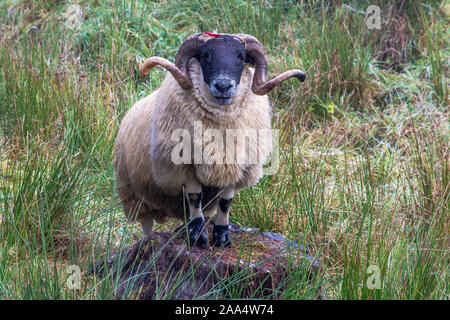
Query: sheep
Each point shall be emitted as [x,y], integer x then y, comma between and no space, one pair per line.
[212,83]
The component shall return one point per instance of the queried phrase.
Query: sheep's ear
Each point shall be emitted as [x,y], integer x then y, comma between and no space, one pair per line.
[250,60]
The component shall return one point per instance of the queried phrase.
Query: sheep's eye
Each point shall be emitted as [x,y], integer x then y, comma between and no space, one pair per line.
[205,57]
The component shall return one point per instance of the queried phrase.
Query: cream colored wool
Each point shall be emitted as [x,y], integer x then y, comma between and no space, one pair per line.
[148,181]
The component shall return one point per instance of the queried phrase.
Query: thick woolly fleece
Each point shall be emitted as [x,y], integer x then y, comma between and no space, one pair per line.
[148,181]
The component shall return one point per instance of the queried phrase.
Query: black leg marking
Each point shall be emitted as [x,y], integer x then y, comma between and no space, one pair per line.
[197,233]
[221,236]
[195,199]
[225,204]
[221,233]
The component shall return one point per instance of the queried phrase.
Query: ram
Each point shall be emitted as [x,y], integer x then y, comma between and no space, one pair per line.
[210,91]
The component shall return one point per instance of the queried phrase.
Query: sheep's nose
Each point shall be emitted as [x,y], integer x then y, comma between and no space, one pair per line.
[223,85]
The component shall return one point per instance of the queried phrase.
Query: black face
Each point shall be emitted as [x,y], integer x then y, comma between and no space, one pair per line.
[222,60]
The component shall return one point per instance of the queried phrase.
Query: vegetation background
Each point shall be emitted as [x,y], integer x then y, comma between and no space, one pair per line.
[364,176]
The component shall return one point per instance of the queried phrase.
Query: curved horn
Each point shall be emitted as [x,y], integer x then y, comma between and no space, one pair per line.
[184,82]
[256,50]
[188,49]
[179,70]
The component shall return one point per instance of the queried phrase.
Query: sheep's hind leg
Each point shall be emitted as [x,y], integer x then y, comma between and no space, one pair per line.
[136,209]
[196,225]
[147,225]
[221,233]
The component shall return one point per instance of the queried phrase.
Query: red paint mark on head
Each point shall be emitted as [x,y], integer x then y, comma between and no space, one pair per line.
[214,35]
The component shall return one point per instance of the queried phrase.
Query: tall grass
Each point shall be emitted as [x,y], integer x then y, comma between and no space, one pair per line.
[363,179]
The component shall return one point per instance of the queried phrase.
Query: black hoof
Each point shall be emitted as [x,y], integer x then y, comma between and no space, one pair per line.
[221,236]
[197,233]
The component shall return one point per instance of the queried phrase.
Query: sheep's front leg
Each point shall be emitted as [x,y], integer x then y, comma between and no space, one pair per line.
[147,225]
[221,233]
[196,225]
